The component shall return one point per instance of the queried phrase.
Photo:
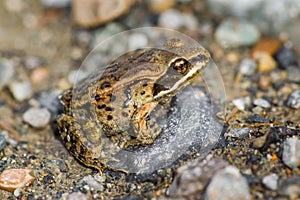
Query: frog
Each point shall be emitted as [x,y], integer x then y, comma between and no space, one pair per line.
[119,107]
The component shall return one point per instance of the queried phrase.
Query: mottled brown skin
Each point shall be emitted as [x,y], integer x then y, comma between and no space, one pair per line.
[118,103]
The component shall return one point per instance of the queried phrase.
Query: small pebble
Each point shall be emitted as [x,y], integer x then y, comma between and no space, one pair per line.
[2,142]
[291,154]
[240,133]
[92,183]
[264,82]
[159,6]
[256,119]
[7,70]
[262,103]
[37,117]
[192,178]
[39,74]
[56,3]
[20,90]
[12,179]
[228,184]
[17,192]
[96,12]
[137,40]
[294,100]
[265,46]
[293,74]
[286,58]
[247,67]
[242,102]
[271,181]
[260,142]
[77,196]
[235,33]
[266,63]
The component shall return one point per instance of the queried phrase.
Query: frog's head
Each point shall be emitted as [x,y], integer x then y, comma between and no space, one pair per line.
[184,63]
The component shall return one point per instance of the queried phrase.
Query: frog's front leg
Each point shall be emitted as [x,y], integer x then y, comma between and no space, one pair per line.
[146,128]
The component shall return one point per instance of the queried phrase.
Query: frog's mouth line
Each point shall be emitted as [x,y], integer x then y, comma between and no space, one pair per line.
[183,81]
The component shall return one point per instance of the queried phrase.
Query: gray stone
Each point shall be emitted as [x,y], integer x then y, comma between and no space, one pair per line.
[229,184]
[235,33]
[262,103]
[294,100]
[293,74]
[291,153]
[92,183]
[238,133]
[37,117]
[56,3]
[192,178]
[76,196]
[21,90]
[7,71]
[271,181]
[247,66]
[2,142]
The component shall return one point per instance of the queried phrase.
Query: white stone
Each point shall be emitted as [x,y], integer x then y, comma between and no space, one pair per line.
[37,117]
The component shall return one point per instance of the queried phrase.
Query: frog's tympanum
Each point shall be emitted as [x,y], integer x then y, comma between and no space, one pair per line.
[122,102]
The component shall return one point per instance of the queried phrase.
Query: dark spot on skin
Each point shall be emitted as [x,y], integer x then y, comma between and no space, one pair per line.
[145,85]
[124,114]
[101,106]
[112,98]
[109,109]
[105,84]
[147,118]
[97,97]
[109,117]
[143,92]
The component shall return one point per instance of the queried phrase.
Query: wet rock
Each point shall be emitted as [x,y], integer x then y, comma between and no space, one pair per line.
[228,183]
[291,154]
[2,142]
[240,133]
[56,3]
[293,74]
[286,57]
[91,182]
[236,33]
[37,117]
[271,181]
[294,100]
[7,71]
[241,103]
[11,179]
[262,103]
[20,90]
[247,67]
[256,119]
[95,12]
[191,179]
[178,20]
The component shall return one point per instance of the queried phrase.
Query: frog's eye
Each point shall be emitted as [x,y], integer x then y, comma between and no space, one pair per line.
[181,65]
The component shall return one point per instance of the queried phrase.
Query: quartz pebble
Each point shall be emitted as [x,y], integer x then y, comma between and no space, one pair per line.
[286,57]
[235,33]
[39,74]
[294,100]
[20,90]
[37,117]
[266,63]
[191,179]
[247,67]
[96,12]
[271,181]
[291,154]
[11,179]
[228,183]
[7,71]
[262,103]
[2,142]
[178,20]
[242,102]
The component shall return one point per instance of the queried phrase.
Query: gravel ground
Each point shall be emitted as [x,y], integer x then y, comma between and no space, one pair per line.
[257,155]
